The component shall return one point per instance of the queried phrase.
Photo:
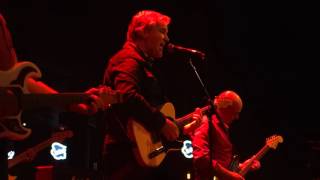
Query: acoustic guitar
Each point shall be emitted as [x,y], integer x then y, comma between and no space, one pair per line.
[151,149]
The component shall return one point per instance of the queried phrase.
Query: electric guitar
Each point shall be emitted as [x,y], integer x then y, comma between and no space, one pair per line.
[14,96]
[29,154]
[271,143]
[150,149]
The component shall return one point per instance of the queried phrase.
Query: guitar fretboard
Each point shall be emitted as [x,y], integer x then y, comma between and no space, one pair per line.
[258,156]
[34,150]
[61,100]
[182,121]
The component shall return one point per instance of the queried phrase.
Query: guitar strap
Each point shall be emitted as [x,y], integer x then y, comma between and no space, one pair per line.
[221,123]
[211,133]
[210,141]
[234,164]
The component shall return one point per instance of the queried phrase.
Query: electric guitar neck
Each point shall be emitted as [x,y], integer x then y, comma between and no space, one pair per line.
[29,154]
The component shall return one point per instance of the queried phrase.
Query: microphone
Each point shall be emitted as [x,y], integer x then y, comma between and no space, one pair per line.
[175,48]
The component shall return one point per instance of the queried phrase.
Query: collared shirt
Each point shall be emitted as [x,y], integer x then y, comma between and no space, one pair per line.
[222,148]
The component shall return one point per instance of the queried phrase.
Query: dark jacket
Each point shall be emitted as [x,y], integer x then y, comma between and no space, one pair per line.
[130,72]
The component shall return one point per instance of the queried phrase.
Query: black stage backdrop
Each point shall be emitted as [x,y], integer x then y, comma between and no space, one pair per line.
[263,50]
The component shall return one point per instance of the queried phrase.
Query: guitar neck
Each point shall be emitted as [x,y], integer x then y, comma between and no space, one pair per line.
[182,121]
[257,156]
[30,152]
[61,100]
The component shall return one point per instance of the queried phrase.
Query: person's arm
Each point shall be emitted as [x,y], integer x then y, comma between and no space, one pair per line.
[39,87]
[255,165]
[225,174]
[8,57]
[194,124]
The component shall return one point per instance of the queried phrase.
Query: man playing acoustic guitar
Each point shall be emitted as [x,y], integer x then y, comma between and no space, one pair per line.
[138,125]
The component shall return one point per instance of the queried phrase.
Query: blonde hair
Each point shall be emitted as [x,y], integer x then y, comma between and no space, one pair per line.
[143,20]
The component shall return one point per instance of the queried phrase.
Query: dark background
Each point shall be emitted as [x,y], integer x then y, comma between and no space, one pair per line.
[262,50]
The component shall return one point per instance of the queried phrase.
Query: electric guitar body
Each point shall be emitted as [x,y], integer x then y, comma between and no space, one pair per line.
[15,97]
[12,83]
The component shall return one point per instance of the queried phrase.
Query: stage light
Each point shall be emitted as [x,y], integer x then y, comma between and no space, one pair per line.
[188,175]
[58,151]
[187,149]
[11,154]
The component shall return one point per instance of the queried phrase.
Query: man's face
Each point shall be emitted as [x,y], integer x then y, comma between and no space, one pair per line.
[230,113]
[155,39]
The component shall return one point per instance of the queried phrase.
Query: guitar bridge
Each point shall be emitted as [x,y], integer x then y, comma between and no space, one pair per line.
[157,152]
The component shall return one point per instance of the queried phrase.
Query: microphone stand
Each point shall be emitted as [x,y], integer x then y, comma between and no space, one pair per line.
[211,112]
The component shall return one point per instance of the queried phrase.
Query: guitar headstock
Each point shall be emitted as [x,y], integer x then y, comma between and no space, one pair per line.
[273,141]
[60,136]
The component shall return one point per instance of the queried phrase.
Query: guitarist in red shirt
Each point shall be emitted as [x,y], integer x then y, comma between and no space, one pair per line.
[228,106]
